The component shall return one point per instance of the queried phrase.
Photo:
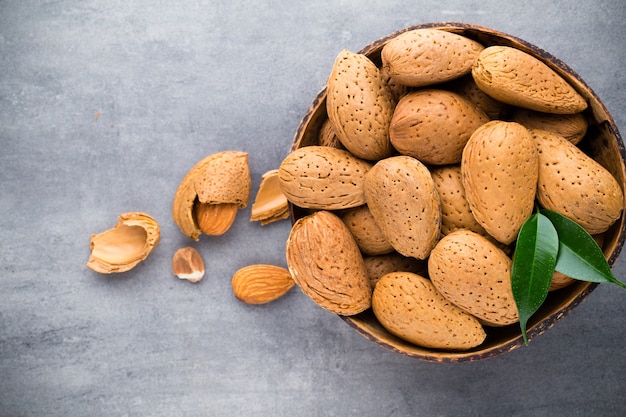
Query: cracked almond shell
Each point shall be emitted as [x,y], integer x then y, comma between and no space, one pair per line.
[270,203]
[124,246]
[220,178]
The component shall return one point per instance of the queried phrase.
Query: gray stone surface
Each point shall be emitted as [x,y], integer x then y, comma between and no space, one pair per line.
[104,106]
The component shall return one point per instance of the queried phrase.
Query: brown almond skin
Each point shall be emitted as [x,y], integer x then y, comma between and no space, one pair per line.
[261,283]
[572,127]
[455,210]
[366,232]
[422,57]
[475,275]
[325,262]
[360,104]
[434,125]
[499,170]
[410,307]
[519,79]
[573,184]
[320,177]
[401,195]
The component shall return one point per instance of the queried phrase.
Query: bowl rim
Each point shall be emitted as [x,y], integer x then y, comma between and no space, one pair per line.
[536,328]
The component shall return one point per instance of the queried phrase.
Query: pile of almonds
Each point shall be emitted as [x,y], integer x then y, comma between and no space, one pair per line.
[424,171]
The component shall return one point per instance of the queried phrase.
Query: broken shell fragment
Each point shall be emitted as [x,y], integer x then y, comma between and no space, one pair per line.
[121,248]
[220,179]
[270,204]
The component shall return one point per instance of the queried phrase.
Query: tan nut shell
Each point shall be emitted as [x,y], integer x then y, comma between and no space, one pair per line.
[517,78]
[572,127]
[325,262]
[223,177]
[401,196]
[475,275]
[360,105]
[466,87]
[121,248]
[379,265]
[434,125]
[319,177]
[270,204]
[429,56]
[455,210]
[574,185]
[409,306]
[366,232]
[499,169]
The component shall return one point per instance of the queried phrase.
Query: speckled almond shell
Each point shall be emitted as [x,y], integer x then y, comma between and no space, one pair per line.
[410,307]
[325,262]
[366,232]
[434,125]
[574,185]
[455,210]
[222,177]
[379,265]
[517,78]
[401,195]
[424,57]
[572,127]
[499,169]
[466,87]
[360,105]
[319,177]
[475,275]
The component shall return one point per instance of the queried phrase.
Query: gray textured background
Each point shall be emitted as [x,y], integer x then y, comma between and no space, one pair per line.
[105,105]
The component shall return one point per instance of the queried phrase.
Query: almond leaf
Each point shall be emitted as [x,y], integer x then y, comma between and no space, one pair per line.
[579,257]
[533,266]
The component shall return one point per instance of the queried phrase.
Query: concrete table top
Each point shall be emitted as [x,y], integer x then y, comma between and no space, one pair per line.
[105,105]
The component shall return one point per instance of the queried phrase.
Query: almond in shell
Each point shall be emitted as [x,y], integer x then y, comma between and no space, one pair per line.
[573,184]
[325,262]
[475,275]
[455,210]
[424,57]
[366,232]
[320,177]
[499,169]
[434,125]
[410,307]
[514,77]
[360,105]
[403,200]
[572,127]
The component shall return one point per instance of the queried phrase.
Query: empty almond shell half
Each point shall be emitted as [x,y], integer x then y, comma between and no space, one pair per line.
[221,178]
[270,204]
[121,248]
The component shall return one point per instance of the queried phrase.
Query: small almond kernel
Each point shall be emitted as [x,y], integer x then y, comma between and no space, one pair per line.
[215,219]
[260,284]
[187,264]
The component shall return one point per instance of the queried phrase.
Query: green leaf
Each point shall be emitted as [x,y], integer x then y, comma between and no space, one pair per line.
[580,257]
[533,266]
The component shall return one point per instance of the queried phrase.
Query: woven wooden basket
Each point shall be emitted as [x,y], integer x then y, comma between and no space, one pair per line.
[602,142]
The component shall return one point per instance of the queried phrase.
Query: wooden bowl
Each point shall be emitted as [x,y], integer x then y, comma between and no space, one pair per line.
[602,142]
